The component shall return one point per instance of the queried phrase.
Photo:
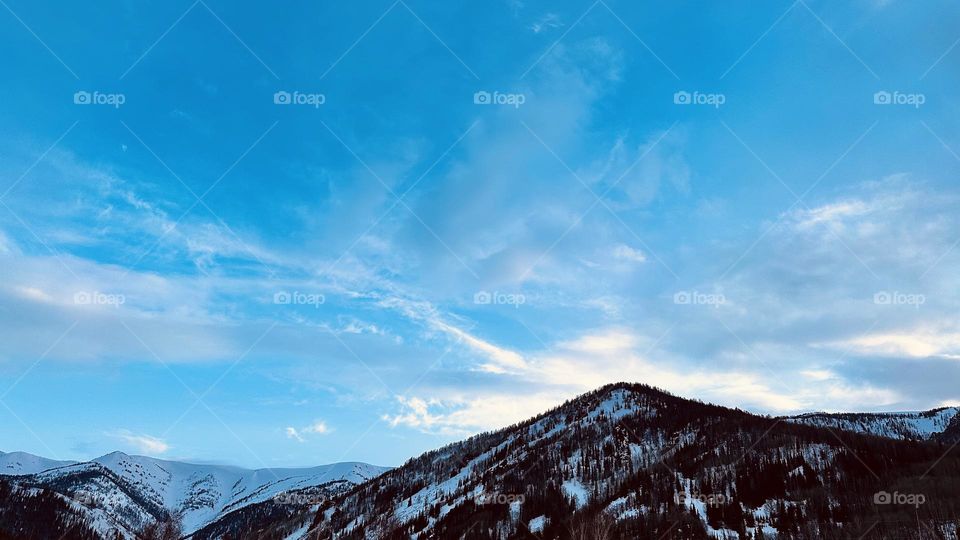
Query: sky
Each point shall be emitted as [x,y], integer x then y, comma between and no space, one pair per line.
[266,236]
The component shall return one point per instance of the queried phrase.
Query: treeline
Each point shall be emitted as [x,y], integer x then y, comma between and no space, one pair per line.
[39,515]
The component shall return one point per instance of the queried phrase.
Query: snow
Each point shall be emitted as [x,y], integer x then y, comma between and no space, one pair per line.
[914,425]
[700,507]
[409,508]
[515,510]
[201,493]
[204,492]
[575,490]
[18,463]
[538,523]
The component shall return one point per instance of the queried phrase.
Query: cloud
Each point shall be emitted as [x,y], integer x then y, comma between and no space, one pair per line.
[830,214]
[145,444]
[292,433]
[318,427]
[916,343]
[501,360]
[462,415]
[629,254]
[546,22]
[613,355]
[570,368]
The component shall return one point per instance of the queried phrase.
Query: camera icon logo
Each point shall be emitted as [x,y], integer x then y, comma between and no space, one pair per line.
[281,97]
[82,298]
[82,97]
[882,497]
[682,98]
[882,298]
[882,98]
[682,298]
[482,298]
[282,298]
[482,98]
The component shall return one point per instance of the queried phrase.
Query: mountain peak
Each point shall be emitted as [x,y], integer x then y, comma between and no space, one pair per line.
[638,460]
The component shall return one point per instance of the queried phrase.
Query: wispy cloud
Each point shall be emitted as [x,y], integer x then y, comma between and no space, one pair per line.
[144,444]
[318,427]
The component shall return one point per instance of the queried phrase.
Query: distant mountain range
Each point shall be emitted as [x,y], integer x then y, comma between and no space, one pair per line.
[624,461]
[936,424]
[120,494]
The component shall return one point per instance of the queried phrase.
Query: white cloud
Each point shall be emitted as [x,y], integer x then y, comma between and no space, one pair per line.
[912,343]
[627,253]
[35,293]
[830,214]
[571,368]
[145,444]
[6,244]
[501,360]
[463,415]
[318,427]
[614,355]
[818,374]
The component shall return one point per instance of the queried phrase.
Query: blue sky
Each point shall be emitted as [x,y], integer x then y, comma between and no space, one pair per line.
[331,232]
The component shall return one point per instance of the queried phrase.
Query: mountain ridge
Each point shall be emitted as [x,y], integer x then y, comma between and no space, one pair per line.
[911,425]
[626,460]
[123,493]
[637,461]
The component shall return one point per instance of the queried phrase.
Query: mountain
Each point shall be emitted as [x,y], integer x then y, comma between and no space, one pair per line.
[631,461]
[913,426]
[122,493]
[14,463]
[626,461]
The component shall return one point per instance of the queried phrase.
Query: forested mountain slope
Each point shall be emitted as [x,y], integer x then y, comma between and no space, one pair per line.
[630,461]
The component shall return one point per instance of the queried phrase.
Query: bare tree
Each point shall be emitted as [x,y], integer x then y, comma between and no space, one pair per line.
[170,528]
[594,527]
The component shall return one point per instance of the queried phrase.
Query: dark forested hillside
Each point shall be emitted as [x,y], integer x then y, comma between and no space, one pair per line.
[39,515]
[630,461]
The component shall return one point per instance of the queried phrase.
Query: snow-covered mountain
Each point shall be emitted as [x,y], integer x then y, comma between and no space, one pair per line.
[914,426]
[120,492]
[14,463]
[630,461]
[625,461]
